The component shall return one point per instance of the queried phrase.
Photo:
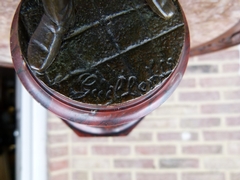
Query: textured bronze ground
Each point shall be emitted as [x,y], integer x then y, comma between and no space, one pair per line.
[111,52]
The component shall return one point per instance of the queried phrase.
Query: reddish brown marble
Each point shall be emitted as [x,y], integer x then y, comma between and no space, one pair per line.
[107,117]
[209,19]
[7,9]
[225,40]
[89,131]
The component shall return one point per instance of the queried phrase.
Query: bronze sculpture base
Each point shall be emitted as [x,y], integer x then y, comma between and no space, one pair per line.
[165,63]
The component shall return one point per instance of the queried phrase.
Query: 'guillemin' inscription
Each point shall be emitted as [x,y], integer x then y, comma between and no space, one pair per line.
[90,86]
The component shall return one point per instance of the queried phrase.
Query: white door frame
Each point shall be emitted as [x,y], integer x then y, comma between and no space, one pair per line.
[31,137]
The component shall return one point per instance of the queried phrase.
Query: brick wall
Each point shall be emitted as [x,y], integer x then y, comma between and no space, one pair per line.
[195,135]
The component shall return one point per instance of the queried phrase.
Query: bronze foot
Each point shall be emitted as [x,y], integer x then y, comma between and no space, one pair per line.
[164,8]
[46,41]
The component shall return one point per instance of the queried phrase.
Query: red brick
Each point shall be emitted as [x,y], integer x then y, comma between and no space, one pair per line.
[158,123]
[220,82]
[156,176]
[187,83]
[57,126]
[233,121]
[79,175]
[222,163]
[220,55]
[110,150]
[176,109]
[199,96]
[58,165]
[59,177]
[58,138]
[90,163]
[221,135]
[79,150]
[233,67]
[200,122]
[155,150]
[203,176]
[234,148]
[235,176]
[201,69]
[76,138]
[232,94]
[177,136]
[220,108]
[58,151]
[134,163]
[178,163]
[134,137]
[111,176]
[202,149]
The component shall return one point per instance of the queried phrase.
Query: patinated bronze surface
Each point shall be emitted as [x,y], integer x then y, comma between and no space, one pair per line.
[100,52]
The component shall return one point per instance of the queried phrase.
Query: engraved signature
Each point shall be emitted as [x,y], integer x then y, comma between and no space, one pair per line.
[125,86]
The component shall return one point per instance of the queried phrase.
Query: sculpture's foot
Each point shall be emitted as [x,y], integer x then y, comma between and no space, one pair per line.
[46,41]
[44,44]
[164,8]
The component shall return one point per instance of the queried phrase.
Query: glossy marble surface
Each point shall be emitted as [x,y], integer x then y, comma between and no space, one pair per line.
[208,19]
[7,9]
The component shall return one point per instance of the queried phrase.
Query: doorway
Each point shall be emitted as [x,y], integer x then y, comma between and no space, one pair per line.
[7,124]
